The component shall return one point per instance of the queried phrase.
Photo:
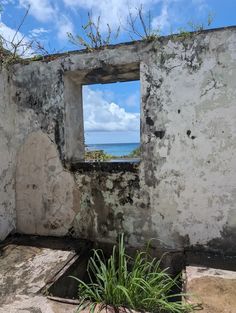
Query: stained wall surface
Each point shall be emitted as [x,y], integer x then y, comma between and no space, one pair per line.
[183,192]
[7,157]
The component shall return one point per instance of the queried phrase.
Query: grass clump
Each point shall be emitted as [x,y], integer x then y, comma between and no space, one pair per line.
[136,283]
[136,153]
[97,156]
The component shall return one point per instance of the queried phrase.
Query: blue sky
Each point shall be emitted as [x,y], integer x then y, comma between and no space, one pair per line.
[111,112]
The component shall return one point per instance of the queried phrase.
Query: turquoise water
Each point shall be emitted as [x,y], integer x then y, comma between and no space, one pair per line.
[117,149]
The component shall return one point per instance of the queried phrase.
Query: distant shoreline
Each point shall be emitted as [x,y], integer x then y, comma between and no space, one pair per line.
[113,143]
[114,149]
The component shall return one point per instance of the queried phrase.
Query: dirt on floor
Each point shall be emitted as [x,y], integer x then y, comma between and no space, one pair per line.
[214,290]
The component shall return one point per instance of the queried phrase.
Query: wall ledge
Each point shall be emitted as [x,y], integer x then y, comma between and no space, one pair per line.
[110,167]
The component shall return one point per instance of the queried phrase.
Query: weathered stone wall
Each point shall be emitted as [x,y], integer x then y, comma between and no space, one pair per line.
[7,158]
[110,203]
[189,140]
[183,192]
[45,192]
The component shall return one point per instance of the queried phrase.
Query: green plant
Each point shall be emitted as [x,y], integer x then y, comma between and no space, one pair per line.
[135,153]
[185,32]
[197,27]
[137,283]
[19,47]
[97,156]
[139,25]
[93,37]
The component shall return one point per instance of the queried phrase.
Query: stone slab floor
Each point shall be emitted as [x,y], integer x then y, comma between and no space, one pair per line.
[213,289]
[28,267]
[26,270]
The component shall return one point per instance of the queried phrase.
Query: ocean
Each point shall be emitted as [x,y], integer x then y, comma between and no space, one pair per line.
[116,149]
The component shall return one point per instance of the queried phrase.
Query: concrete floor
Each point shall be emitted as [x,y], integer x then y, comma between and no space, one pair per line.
[213,289]
[27,270]
[36,304]
[30,265]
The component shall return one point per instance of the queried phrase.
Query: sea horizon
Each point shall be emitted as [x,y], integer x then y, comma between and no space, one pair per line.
[116,149]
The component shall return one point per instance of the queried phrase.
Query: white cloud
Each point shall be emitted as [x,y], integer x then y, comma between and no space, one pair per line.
[101,115]
[161,21]
[133,99]
[11,38]
[200,4]
[112,12]
[46,11]
[8,33]
[42,10]
[64,26]
[38,31]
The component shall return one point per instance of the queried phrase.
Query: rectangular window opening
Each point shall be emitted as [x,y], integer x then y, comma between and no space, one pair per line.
[111,115]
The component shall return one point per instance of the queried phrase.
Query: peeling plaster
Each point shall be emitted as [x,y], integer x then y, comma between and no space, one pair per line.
[183,191]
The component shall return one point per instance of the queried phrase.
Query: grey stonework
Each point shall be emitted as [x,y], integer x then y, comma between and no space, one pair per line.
[183,192]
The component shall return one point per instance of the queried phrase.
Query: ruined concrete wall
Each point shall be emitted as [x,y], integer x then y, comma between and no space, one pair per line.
[7,158]
[183,193]
[110,204]
[45,192]
[49,130]
[189,140]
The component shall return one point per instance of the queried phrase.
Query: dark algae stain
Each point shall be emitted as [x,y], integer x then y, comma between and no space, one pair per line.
[159,133]
[189,133]
[149,121]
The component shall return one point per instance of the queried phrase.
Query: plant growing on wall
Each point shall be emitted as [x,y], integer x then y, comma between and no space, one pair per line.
[137,283]
[139,25]
[92,36]
[192,26]
[18,47]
